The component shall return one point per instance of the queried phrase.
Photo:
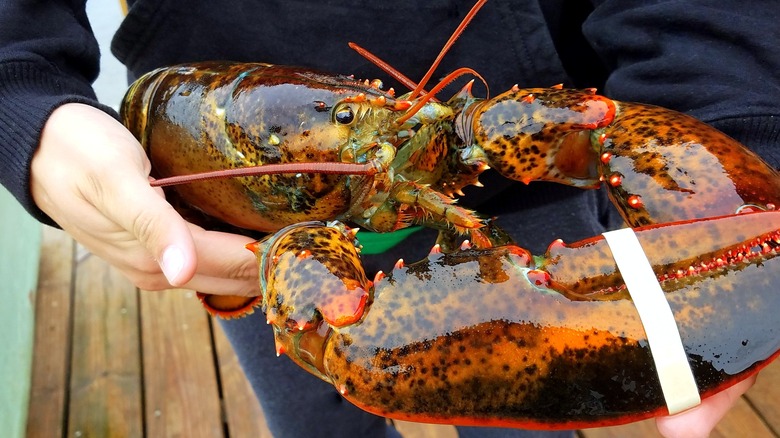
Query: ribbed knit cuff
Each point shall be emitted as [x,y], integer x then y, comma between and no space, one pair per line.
[28,96]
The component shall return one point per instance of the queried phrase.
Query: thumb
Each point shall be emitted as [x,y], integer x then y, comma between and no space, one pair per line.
[161,230]
[175,251]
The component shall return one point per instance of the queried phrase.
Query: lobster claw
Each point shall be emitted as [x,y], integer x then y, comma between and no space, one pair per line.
[345,307]
[312,272]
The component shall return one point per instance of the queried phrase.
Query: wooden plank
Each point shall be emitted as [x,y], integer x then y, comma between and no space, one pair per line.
[245,417]
[640,429]
[51,354]
[180,379]
[741,420]
[242,410]
[105,397]
[422,430]
[764,396]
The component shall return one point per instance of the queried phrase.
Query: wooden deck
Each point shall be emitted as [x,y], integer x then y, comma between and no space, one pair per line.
[112,362]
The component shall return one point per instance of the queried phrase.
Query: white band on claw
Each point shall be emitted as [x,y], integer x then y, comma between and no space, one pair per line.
[674,371]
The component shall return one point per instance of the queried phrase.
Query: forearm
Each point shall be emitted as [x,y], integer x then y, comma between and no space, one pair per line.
[48,57]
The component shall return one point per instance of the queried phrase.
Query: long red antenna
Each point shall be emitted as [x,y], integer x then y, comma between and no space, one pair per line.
[384,66]
[403,79]
[443,83]
[459,30]
[267,169]
[347,168]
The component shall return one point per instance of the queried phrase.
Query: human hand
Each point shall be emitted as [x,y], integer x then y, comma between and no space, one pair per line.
[701,420]
[91,176]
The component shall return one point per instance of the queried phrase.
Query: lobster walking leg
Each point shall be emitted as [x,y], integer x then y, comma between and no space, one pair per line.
[488,337]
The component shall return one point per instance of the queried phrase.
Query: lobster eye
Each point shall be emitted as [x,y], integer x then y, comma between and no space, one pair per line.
[344,115]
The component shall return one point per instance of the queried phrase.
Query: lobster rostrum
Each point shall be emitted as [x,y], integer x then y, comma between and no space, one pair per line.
[483,335]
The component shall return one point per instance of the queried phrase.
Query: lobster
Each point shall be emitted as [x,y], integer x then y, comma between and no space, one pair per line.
[484,334]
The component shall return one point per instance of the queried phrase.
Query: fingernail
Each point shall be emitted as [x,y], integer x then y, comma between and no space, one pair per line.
[172,263]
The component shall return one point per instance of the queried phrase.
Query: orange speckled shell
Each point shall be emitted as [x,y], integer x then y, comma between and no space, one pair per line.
[212,116]
[535,134]
[681,167]
[467,339]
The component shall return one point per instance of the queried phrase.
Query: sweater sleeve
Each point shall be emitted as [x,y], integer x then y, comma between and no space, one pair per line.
[48,57]
[718,61]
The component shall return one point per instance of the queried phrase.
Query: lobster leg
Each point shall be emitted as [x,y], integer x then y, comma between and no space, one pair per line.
[488,337]
[424,182]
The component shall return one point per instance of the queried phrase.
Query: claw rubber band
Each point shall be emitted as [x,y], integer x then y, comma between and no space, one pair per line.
[674,371]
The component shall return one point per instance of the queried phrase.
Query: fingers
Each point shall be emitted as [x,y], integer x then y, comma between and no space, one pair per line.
[224,253]
[224,256]
[146,239]
[164,250]
[159,229]
[701,420]
[187,256]
[221,286]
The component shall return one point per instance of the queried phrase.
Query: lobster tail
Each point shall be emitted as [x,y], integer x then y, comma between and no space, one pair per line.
[137,101]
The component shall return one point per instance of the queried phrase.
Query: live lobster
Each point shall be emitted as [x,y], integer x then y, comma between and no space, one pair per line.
[489,334]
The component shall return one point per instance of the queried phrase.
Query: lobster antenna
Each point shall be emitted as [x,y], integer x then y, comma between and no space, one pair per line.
[384,66]
[459,30]
[443,83]
[267,169]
